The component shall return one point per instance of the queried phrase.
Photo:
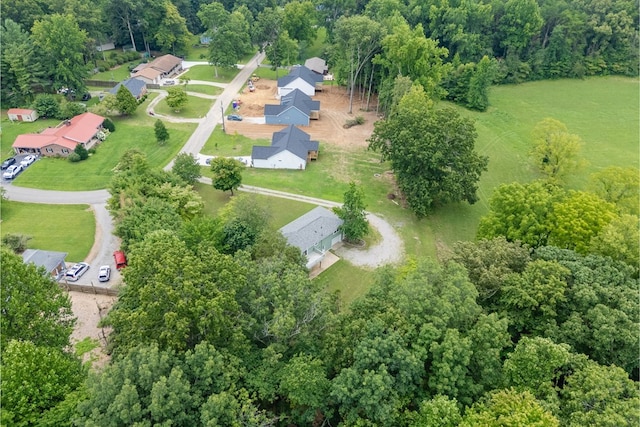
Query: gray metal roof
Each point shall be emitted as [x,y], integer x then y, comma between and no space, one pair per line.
[134,85]
[291,139]
[300,71]
[296,99]
[311,228]
[47,259]
[317,65]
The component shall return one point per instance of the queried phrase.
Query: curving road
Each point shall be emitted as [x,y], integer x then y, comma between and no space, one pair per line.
[388,250]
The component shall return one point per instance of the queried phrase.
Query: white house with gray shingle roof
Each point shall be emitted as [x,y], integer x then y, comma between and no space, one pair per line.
[314,233]
[290,148]
[52,262]
[302,78]
[296,108]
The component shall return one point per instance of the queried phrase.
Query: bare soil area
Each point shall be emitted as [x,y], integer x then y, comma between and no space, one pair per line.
[89,309]
[334,113]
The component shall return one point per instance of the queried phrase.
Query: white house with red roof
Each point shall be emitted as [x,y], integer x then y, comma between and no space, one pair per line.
[62,139]
[22,115]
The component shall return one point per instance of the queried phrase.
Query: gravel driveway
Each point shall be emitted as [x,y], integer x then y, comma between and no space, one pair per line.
[389,250]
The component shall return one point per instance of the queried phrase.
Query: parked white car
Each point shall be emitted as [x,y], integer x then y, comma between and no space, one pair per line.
[28,160]
[12,171]
[76,271]
[104,274]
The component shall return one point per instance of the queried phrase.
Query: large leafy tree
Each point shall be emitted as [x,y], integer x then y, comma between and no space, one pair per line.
[283,50]
[618,186]
[352,212]
[519,23]
[509,408]
[357,39]
[61,45]
[227,174]
[555,151]
[34,379]
[186,166]
[34,307]
[431,151]
[20,71]
[161,132]
[521,212]
[176,98]
[619,240]
[172,33]
[300,21]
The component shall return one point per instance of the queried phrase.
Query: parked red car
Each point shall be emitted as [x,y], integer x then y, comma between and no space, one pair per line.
[120,259]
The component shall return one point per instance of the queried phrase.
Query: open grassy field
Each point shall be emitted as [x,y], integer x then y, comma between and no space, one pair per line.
[195,108]
[63,228]
[206,89]
[208,73]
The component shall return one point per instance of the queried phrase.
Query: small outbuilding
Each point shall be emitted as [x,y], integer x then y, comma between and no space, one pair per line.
[290,148]
[52,262]
[317,65]
[22,115]
[314,233]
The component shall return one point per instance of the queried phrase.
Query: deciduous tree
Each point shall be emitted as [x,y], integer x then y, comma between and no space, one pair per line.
[126,103]
[555,151]
[509,408]
[227,174]
[431,151]
[352,212]
[186,166]
[161,132]
[618,186]
[176,98]
[172,34]
[34,307]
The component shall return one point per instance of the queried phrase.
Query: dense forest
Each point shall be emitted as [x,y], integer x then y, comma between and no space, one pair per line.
[218,324]
[48,45]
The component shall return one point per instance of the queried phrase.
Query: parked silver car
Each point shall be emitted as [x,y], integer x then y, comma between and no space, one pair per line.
[75,272]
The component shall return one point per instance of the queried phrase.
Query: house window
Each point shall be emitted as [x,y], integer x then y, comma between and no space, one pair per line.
[49,150]
[64,150]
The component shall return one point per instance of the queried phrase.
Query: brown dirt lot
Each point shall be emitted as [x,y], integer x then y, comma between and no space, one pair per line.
[334,107]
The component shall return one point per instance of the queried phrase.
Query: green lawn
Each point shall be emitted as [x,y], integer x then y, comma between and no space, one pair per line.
[197,53]
[207,73]
[221,144]
[10,130]
[348,281]
[116,74]
[95,173]
[63,228]
[195,108]
[206,89]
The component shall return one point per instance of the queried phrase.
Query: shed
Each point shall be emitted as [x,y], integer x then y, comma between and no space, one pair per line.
[314,233]
[22,115]
[317,65]
[52,262]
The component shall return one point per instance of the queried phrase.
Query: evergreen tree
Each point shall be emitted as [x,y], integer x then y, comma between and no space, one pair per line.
[125,101]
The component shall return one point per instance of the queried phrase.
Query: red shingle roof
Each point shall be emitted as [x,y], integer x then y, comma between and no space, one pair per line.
[81,128]
[20,111]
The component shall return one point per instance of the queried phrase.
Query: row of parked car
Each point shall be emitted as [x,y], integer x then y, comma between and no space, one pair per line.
[104,274]
[12,168]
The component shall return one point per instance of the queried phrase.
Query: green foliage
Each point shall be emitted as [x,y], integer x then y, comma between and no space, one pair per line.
[34,379]
[521,212]
[16,242]
[478,94]
[126,103]
[352,212]
[108,125]
[437,412]
[186,166]
[509,408]
[555,151]
[74,157]
[579,218]
[176,98]
[227,174]
[81,151]
[19,66]
[34,307]
[243,220]
[618,186]
[431,151]
[305,385]
[619,240]
[161,132]
[172,33]
[47,106]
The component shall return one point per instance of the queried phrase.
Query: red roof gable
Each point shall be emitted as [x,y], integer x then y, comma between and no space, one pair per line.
[68,134]
[21,111]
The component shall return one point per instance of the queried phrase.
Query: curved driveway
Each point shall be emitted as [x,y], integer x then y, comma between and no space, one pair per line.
[389,250]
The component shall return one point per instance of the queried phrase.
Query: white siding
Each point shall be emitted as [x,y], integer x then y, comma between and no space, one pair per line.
[298,83]
[282,160]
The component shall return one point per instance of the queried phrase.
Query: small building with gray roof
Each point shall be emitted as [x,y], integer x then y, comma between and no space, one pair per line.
[53,262]
[314,233]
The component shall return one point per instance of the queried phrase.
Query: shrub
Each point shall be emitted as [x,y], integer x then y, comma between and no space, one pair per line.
[16,242]
[142,98]
[81,151]
[101,136]
[92,150]
[359,120]
[101,69]
[74,157]
[108,125]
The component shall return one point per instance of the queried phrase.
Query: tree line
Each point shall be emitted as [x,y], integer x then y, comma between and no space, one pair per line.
[217,323]
[454,49]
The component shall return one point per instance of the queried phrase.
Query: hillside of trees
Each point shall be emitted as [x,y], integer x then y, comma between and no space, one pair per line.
[455,49]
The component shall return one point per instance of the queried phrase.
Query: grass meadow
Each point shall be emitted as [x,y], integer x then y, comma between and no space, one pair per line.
[195,108]
[63,228]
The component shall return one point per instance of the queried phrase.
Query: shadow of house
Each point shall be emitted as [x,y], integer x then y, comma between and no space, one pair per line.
[296,108]
[290,148]
[314,233]
[52,262]
[137,87]
[302,78]
[62,139]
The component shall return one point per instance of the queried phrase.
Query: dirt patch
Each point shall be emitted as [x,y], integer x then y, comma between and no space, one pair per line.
[334,113]
[89,309]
